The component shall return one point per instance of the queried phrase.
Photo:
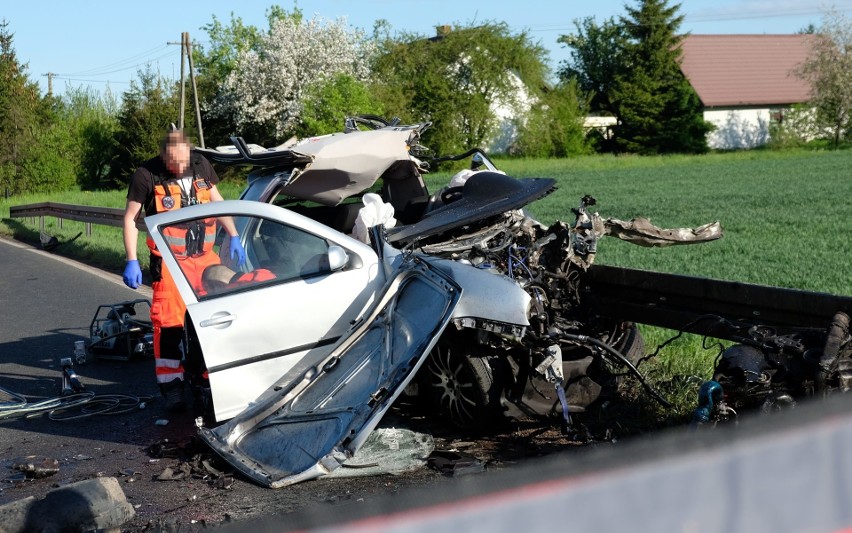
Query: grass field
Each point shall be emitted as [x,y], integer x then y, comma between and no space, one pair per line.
[787,219]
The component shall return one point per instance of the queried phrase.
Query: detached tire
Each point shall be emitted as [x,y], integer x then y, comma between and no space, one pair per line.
[462,387]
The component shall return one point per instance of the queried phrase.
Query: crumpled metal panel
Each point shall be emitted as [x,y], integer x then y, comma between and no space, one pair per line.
[318,414]
[347,163]
[485,194]
[641,231]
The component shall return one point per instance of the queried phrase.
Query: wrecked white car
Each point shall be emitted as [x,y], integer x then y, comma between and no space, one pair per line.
[466,302]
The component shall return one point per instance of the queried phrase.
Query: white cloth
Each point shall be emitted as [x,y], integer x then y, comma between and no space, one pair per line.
[463,175]
[374,212]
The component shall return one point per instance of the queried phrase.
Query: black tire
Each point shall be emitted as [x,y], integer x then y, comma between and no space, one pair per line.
[460,387]
[628,340]
[631,343]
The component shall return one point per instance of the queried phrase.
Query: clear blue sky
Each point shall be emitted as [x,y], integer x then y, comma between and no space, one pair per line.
[103,43]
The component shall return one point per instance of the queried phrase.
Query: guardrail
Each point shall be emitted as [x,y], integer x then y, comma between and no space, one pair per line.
[105,216]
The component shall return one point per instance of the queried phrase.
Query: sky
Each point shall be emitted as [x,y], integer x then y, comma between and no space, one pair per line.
[104,43]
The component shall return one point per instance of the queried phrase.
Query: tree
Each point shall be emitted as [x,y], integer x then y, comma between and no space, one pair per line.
[147,110]
[215,62]
[597,57]
[264,93]
[453,79]
[657,109]
[22,115]
[327,102]
[553,127]
[91,123]
[828,70]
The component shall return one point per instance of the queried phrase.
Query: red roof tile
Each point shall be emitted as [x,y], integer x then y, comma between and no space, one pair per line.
[746,70]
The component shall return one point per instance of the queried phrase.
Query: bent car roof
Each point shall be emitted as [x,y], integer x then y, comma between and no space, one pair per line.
[329,168]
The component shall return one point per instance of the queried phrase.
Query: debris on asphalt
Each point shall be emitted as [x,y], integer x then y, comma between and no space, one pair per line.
[388,451]
[192,463]
[36,467]
[455,463]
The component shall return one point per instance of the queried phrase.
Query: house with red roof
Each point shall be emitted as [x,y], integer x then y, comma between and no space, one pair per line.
[745,82]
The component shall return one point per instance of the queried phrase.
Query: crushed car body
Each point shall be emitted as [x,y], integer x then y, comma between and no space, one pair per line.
[463,301]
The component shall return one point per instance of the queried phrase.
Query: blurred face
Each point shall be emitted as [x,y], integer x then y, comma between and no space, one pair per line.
[176,157]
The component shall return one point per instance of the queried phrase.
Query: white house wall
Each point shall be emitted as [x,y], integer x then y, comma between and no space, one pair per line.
[508,113]
[738,128]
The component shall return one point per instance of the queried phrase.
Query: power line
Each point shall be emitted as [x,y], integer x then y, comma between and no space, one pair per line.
[170,53]
[91,81]
[122,64]
[562,26]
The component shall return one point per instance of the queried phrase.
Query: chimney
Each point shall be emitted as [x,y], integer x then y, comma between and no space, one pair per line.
[443,30]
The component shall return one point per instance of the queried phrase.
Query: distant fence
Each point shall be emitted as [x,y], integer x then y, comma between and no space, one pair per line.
[105,216]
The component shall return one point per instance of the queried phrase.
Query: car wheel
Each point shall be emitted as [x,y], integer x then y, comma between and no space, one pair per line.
[630,343]
[461,387]
[627,339]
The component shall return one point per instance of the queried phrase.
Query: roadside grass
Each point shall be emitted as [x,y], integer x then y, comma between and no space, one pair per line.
[787,219]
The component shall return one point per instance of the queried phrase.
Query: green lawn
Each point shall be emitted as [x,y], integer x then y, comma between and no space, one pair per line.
[787,219]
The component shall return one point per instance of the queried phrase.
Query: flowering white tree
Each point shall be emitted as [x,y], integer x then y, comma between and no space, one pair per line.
[266,88]
[828,69]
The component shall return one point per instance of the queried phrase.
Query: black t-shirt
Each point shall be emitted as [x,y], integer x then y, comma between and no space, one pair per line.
[141,188]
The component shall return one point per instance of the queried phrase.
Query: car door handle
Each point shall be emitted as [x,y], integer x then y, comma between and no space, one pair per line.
[218,320]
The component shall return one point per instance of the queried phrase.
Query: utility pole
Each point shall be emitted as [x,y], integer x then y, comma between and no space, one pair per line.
[50,76]
[186,51]
[194,90]
[182,78]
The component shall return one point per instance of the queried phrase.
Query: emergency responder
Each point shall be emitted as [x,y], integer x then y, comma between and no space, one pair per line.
[175,178]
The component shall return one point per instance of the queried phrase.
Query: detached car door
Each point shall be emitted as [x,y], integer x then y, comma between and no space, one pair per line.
[301,287]
[321,412]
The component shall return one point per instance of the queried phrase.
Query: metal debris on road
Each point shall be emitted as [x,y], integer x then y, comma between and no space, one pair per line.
[36,467]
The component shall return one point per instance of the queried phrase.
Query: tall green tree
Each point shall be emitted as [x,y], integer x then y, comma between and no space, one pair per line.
[328,102]
[596,58]
[23,114]
[657,108]
[91,122]
[454,78]
[147,109]
[828,70]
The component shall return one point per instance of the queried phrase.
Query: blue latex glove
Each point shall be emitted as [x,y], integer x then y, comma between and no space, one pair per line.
[132,274]
[238,250]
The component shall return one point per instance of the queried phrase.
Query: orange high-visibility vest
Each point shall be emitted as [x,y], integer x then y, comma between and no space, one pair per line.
[185,239]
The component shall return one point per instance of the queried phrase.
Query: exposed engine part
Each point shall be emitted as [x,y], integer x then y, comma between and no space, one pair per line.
[711,405]
[620,357]
[838,333]
[772,370]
